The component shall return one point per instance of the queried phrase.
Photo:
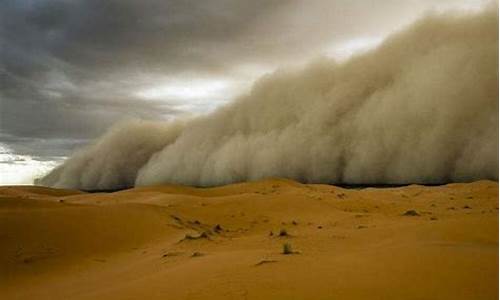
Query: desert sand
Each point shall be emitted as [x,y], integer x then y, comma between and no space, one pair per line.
[174,242]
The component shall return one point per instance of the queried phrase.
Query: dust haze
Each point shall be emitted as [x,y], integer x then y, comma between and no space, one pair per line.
[420,108]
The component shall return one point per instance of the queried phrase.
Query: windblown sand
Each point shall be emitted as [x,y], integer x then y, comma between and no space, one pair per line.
[163,242]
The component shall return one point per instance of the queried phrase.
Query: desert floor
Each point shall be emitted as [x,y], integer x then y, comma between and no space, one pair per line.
[173,242]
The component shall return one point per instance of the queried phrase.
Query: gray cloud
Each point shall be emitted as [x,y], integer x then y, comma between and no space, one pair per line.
[70,69]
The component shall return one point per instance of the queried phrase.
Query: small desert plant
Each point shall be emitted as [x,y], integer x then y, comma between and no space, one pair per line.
[287,249]
[217,228]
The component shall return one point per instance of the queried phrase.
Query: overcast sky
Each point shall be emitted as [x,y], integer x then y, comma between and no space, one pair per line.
[71,68]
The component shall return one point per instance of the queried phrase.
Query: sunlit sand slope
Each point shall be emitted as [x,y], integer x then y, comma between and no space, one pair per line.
[173,242]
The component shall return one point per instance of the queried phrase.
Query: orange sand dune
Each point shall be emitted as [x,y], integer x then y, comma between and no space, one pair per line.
[164,243]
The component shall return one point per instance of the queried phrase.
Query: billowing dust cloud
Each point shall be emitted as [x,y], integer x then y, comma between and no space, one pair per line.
[421,108]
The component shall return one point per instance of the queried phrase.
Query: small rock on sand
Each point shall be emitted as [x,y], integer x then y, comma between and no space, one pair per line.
[411,213]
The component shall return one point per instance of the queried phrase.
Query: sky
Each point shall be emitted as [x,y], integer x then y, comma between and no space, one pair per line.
[69,69]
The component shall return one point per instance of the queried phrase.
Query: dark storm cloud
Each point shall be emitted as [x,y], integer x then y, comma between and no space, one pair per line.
[71,68]
[109,35]
[67,68]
